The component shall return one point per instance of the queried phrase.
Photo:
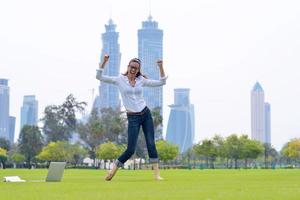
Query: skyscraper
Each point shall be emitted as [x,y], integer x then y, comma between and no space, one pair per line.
[7,123]
[181,124]
[260,115]
[108,93]
[150,49]
[29,111]
[4,108]
[268,123]
[12,125]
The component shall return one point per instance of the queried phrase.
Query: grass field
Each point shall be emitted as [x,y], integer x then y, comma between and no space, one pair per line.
[178,184]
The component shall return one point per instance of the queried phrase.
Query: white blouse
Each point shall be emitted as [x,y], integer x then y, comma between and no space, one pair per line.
[132,96]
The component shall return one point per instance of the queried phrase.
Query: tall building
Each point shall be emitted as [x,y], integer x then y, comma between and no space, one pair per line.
[12,125]
[260,115]
[4,108]
[29,111]
[150,49]
[108,93]
[6,122]
[181,124]
[268,123]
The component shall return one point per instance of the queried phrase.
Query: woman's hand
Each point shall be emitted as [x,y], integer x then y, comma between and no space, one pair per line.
[160,63]
[161,68]
[105,59]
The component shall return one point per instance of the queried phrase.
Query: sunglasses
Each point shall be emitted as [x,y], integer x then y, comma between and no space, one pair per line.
[133,67]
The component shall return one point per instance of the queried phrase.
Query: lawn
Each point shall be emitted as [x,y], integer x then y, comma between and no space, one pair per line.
[178,184]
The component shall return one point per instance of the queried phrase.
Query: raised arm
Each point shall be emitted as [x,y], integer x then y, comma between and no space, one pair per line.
[104,78]
[161,81]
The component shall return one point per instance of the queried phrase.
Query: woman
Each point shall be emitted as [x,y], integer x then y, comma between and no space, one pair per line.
[131,86]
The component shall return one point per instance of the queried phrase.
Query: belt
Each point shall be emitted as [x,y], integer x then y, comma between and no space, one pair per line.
[139,113]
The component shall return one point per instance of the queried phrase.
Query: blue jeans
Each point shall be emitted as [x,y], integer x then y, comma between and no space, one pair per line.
[135,121]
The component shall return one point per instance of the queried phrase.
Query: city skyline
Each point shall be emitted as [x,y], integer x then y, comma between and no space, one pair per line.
[217,49]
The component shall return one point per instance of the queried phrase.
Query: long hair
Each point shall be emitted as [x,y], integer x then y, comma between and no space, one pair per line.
[136,60]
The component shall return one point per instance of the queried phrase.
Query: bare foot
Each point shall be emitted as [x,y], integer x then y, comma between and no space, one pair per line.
[111,174]
[159,178]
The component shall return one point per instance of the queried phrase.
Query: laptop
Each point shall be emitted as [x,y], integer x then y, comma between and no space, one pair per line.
[55,171]
[55,174]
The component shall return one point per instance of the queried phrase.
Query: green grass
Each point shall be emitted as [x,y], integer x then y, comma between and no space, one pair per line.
[178,184]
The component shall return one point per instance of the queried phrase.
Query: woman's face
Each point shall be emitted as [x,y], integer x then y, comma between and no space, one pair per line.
[133,68]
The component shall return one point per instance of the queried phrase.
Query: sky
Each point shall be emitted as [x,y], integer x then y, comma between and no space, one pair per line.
[217,48]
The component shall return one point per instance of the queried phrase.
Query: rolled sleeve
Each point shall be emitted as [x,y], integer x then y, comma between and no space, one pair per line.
[104,78]
[155,83]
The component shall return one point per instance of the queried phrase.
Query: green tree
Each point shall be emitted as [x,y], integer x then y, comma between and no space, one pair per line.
[292,149]
[166,150]
[233,148]
[207,149]
[113,122]
[30,142]
[4,144]
[3,157]
[17,157]
[62,151]
[270,154]
[60,121]
[109,151]
[92,133]
[157,122]
[251,149]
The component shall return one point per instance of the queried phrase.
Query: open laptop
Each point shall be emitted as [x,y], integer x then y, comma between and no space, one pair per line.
[55,171]
[55,174]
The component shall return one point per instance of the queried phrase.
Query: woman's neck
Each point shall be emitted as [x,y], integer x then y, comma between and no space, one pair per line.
[131,78]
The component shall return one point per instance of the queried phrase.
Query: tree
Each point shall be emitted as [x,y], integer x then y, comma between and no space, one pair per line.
[60,121]
[62,151]
[270,154]
[30,142]
[3,157]
[157,122]
[113,122]
[233,148]
[92,133]
[189,155]
[17,157]
[109,151]
[251,149]
[292,149]
[207,149]
[166,150]
[4,144]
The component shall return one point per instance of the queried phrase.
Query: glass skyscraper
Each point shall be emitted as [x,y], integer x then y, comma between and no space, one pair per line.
[7,123]
[260,115]
[181,124]
[268,123]
[150,49]
[29,111]
[108,93]
[4,108]
[12,125]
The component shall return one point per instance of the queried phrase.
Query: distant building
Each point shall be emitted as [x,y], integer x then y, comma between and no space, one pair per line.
[29,111]
[109,94]
[150,49]
[268,123]
[7,123]
[260,115]
[12,125]
[181,124]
